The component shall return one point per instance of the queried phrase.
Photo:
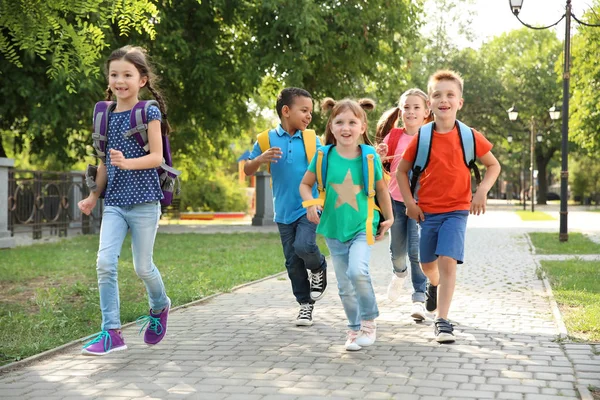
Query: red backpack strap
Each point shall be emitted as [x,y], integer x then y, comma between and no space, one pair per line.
[395,135]
[138,121]
[101,111]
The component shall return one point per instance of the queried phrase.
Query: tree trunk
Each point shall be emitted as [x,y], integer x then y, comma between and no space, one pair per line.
[542,159]
[2,151]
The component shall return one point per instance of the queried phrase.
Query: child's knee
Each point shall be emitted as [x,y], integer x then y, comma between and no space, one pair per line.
[106,264]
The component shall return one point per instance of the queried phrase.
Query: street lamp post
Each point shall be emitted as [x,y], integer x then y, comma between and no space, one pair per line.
[513,114]
[515,6]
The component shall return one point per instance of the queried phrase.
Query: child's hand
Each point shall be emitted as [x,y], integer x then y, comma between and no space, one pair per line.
[383,228]
[271,155]
[87,205]
[313,214]
[478,203]
[414,211]
[118,159]
[382,149]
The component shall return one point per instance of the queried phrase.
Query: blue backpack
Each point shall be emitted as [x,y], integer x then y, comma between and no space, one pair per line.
[467,141]
[368,166]
[167,175]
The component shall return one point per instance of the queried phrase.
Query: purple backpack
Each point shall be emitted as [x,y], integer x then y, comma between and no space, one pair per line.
[139,130]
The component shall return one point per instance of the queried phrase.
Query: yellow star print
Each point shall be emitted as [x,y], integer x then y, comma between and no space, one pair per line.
[347,191]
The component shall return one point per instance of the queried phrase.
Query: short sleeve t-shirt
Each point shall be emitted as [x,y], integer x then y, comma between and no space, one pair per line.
[445,185]
[345,210]
[129,187]
[403,142]
[287,173]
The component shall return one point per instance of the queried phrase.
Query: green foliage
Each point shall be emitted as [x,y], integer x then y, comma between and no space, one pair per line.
[210,183]
[585,85]
[69,35]
[584,174]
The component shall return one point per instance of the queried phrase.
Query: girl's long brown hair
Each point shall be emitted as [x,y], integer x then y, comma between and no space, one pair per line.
[137,56]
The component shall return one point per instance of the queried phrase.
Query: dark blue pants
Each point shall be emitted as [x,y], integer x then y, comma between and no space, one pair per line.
[299,240]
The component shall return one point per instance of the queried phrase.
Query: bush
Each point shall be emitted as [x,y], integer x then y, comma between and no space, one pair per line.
[219,192]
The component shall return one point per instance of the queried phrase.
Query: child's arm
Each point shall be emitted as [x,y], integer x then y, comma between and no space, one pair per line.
[151,160]
[87,205]
[412,209]
[308,182]
[269,156]
[385,204]
[491,174]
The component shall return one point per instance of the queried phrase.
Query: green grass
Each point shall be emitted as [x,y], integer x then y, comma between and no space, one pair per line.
[576,288]
[548,243]
[50,292]
[534,216]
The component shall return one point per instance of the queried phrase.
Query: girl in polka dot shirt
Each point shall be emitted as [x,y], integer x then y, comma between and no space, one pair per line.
[131,203]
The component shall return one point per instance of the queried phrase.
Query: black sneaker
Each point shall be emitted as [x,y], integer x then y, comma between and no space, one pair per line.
[443,330]
[431,294]
[305,315]
[318,284]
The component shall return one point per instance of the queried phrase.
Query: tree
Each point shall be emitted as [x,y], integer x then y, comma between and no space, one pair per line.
[584,118]
[525,63]
[68,35]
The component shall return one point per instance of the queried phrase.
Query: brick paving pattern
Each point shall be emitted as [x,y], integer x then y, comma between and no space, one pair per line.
[243,345]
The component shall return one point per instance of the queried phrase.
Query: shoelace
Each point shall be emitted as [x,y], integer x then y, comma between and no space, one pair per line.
[104,335]
[316,280]
[352,335]
[154,322]
[367,328]
[305,311]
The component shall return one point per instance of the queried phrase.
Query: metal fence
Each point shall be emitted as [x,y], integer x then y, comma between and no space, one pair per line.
[45,203]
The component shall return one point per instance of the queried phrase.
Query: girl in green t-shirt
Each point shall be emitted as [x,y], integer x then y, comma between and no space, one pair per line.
[345,215]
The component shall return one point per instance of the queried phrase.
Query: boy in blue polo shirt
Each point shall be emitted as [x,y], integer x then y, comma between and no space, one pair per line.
[288,163]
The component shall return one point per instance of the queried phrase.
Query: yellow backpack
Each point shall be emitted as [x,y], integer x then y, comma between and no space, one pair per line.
[309,137]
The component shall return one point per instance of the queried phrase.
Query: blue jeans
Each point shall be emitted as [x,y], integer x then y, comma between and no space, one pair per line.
[404,239]
[351,264]
[142,220]
[299,240]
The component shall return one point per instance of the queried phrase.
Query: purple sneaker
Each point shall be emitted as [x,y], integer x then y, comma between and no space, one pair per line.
[157,325]
[106,342]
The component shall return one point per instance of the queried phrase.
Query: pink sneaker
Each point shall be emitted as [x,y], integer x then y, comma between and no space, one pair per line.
[368,333]
[351,344]
[106,342]
[157,325]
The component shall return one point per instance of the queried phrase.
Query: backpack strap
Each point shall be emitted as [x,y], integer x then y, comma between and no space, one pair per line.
[424,140]
[309,137]
[395,135]
[101,111]
[467,141]
[265,144]
[368,165]
[321,176]
[138,121]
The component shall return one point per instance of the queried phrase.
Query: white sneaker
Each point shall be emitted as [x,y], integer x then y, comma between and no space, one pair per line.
[418,312]
[351,344]
[395,287]
[368,333]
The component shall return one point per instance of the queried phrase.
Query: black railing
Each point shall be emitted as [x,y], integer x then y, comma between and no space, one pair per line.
[46,203]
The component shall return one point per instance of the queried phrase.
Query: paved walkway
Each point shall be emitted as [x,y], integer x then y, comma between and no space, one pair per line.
[242,345]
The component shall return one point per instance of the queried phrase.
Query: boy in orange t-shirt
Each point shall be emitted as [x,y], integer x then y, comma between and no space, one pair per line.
[444,198]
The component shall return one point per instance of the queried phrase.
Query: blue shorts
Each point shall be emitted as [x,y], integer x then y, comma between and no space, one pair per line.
[443,235]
